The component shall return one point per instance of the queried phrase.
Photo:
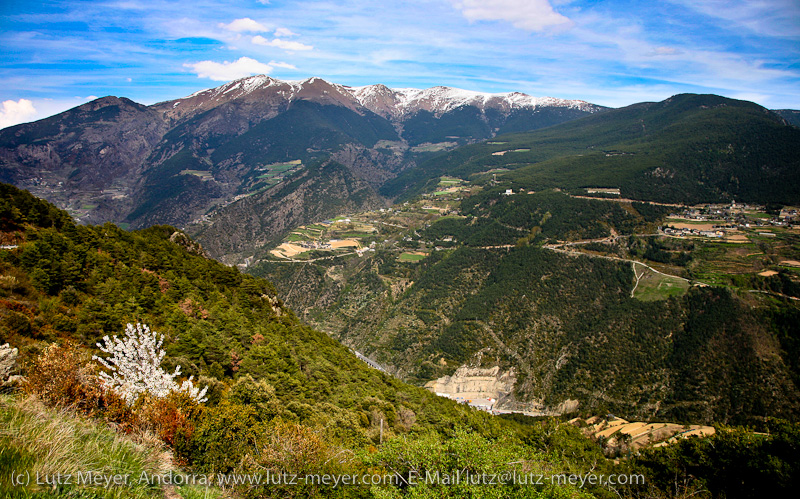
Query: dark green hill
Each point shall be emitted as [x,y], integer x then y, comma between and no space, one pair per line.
[467,124]
[689,148]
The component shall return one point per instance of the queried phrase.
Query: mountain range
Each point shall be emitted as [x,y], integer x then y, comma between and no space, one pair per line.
[688,148]
[113,159]
[239,165]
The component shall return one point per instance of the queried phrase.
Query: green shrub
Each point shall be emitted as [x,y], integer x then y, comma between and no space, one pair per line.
[224,437]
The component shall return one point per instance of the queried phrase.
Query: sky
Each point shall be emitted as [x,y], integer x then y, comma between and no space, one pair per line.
[57,54]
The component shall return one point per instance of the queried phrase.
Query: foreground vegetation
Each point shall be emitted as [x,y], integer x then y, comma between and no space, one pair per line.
[58,452]
[283,398]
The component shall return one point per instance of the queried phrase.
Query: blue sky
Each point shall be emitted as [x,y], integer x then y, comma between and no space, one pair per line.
[57,54]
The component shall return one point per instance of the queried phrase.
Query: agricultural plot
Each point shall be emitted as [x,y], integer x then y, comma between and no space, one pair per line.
[439,146]
[329,236]
[503,153]
[652,286]
[205,175]
[344,243]
[619,433]
[272,174]
[728,262]
[412,257]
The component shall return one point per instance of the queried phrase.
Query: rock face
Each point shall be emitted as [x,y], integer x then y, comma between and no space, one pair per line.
[492,388]
[469,383]
[8,362]
[182,239]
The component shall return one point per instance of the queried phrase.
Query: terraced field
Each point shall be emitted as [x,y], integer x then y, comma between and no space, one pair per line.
[617,434]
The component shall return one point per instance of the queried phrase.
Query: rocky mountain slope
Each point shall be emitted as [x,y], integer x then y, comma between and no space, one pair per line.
[792,116]
[178,161]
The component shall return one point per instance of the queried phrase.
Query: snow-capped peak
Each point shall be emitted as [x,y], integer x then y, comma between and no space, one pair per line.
[440,100]
[236,88]
[391,103]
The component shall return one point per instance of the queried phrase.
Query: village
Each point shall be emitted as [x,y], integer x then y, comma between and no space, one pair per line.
[729,221]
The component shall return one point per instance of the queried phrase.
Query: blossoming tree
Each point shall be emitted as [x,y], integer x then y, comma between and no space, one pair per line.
[135,366]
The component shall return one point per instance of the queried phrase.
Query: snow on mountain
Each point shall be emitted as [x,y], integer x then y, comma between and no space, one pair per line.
[439,100]
[391,103]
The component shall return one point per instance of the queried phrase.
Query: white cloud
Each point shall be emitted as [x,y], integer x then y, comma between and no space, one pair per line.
[284,65]
[14,112]
[284,32]
[281,44]
[227,71]
[766,17]
[657,51]
[530,15]
[244,24]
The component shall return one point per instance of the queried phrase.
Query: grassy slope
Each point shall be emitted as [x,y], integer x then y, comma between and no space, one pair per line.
[43,442]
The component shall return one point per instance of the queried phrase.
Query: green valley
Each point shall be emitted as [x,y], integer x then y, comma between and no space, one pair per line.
[588,300]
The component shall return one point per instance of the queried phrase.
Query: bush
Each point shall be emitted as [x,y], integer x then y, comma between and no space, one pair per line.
[225,436]
[258,394]
[17,324]
[172,418]
[62,376]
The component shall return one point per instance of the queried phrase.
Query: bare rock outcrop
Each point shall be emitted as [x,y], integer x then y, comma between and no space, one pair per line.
[471,383]
[8,364]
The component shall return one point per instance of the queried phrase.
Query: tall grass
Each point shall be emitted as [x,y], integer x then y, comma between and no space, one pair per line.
[35,440]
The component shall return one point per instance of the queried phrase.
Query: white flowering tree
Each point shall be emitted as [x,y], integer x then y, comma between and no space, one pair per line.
[135,366]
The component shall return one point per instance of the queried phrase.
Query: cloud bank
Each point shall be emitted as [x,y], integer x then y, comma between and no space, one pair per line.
[15,112]
[226,71]
[244,25]
[281,44]
[529,15]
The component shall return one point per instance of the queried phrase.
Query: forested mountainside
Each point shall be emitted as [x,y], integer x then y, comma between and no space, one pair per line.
[286,400]
[62,281]
[268,374]
[792,116]
[498,284]
[260,220]
[686,149]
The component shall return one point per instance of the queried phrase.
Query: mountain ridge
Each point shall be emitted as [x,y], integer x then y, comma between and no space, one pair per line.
[690,148]
[388,102]
[180,161]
